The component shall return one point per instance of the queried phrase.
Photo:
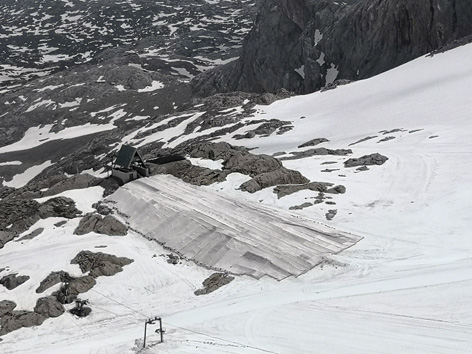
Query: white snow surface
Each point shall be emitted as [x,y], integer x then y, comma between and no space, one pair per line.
[405,287]
[22,179]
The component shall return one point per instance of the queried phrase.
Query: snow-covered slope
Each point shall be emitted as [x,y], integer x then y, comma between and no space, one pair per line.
[404,287]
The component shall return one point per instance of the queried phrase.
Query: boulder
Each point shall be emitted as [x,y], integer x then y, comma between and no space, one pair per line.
[331,214]
[69,291]
[285,190]
[251,165]
[107,226]
[273,178]
[52,279]
[59,207]
[184,170]
[111,226]
[337,190]
[32,234]
[12,281]
[372,159]
[49,307]
[87,224]
[313,142]
[102,208]
[214,282]
[301,206]
[100,264]
[6,306]
[19,319]
[213,151]
[316,152]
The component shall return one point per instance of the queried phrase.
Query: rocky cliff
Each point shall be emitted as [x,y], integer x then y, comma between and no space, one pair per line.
[303,45]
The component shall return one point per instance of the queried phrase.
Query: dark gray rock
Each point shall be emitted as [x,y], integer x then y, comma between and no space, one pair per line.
[301,206]
[283,191]
[49,307]
[6,236]
[69,291]
[32,234]
[59,207]
[214,282]
[335,84]
[189,173]
[331,213]
[173,259]
[316,152]
[454,44]
[52,279]
[111,226]
[337,190]
[387,138]
[19,319]
[213,151]
[363,139]
[16,217]
[102,208]
[12,281]
[372,159]
[313,142]
[251,165]
[269,98]
[273,178]
[53,185]
[6,306]
[95,223]
[100,264]
[266,129]
[87,224]
[330,170]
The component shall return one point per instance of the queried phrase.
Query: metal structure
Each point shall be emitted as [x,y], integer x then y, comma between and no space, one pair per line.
[159,330]
[129,165]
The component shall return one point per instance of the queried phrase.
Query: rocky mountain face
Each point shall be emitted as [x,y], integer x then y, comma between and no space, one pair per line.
[305,45]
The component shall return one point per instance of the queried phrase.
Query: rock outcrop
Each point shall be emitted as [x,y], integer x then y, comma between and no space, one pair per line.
[19,319]
[214,282]
[283,191]
[49,307]
[189,173]
[18,215]
[372,159]
[52,279]
[316,152]
[69,291]
[6,306]
[95,223]
[100,264]
[305,45]
[12,281]
[273,178]
[59,207]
